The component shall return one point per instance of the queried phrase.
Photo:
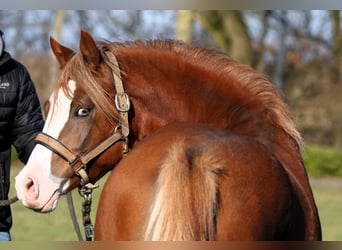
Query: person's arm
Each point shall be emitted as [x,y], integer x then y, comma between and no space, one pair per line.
[28,120]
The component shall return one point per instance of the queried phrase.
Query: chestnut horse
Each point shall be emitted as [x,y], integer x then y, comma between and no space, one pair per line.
[110,96]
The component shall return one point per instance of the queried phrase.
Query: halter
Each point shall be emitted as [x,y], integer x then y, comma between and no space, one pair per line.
[78,162]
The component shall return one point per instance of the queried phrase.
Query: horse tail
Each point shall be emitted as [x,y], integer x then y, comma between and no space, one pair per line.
[186,200]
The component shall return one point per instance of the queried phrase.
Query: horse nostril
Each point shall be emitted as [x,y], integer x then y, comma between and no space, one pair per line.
[32,191]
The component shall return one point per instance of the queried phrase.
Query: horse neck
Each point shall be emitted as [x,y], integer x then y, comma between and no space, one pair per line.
[166,90]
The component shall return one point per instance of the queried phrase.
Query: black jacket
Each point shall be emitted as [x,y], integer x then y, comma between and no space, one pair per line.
[20,121]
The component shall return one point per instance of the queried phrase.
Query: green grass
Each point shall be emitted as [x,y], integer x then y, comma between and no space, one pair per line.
[329,204]
[322,161]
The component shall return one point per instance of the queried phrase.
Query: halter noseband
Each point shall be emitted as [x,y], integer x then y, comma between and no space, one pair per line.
[78,163]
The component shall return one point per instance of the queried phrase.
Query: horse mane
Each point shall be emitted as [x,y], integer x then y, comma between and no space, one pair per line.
[251,81]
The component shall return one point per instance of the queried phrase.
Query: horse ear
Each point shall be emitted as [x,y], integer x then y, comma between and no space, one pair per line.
[90,52]
[63,54]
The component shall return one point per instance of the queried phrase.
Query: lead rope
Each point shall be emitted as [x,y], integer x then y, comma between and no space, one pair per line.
[73,216]
[86,193]
[8,202]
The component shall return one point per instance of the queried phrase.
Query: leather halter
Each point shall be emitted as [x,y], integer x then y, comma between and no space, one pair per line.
[78,163]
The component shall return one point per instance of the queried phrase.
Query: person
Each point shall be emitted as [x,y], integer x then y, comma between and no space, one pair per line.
[20,121]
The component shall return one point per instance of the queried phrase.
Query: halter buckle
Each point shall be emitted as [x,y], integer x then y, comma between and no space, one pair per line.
[122,102]
[74,162]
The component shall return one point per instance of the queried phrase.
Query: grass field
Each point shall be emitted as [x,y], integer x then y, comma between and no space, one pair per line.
[57,226]
[328,196]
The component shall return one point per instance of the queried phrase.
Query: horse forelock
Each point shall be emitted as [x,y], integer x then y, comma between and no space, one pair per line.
[248,80]
[77,70]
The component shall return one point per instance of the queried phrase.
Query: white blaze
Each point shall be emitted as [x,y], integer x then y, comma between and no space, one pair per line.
[59,111]
[38,167]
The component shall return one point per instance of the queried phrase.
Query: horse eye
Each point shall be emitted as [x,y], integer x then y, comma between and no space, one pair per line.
[82,112]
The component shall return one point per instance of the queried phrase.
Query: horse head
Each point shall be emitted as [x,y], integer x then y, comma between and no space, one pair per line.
[82,124]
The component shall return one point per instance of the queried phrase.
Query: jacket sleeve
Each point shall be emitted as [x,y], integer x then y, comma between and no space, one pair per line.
[28,120]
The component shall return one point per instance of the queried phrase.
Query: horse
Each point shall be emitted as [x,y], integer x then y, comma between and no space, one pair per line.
[109,96]
[193,181]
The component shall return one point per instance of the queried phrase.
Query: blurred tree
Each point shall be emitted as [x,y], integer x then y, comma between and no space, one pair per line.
[53,66]
[184,25]
[230,33]
[260,50]
[337,41]
[279,69]
[123,24]
[19,28]
[83,20]
[58,24]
